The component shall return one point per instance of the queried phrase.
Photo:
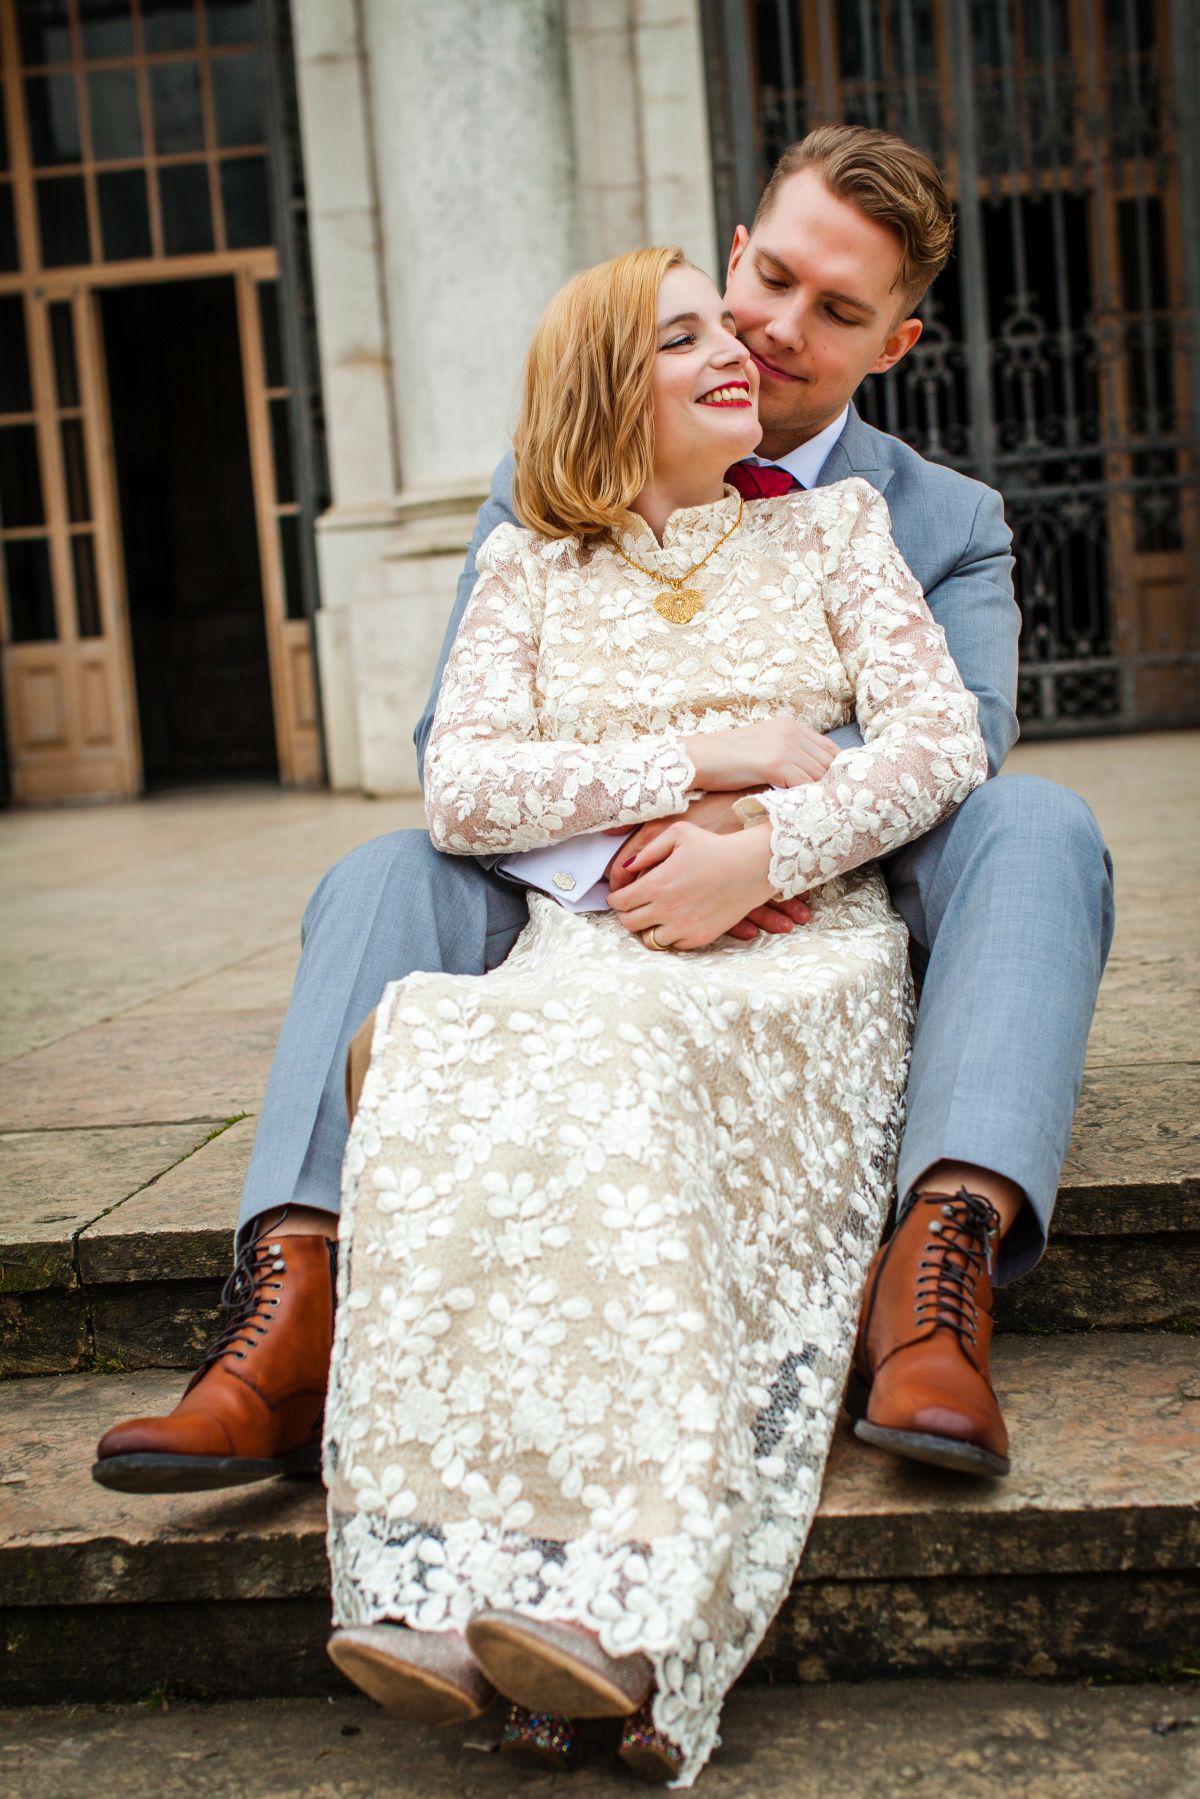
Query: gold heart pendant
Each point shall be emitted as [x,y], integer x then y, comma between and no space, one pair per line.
[680,607]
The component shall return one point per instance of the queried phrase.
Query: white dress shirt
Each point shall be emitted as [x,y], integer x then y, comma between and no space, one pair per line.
[806,461]
[572,872]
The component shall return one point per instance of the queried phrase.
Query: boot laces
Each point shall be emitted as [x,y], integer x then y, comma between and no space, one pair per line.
[959,1250]
[246,1298]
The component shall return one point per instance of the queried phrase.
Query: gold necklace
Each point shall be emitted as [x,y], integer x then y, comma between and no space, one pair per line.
[681,604]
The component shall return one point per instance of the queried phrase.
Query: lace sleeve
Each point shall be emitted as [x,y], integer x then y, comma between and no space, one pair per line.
[491,782]
[922,751]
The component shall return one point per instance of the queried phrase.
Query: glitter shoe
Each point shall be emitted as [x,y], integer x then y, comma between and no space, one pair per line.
[537,1739]
[562,1666]
[644,1749]
[427,1676]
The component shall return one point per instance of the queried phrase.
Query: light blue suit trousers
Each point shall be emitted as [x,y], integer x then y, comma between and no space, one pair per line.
[1009,903]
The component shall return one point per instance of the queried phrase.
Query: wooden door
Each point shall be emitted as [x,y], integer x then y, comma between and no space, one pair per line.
[289,635]
[68,678]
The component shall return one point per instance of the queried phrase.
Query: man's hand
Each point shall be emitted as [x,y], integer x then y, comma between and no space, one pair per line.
[712,812]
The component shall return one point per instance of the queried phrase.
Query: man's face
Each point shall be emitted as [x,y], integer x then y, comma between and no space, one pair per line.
[813,292]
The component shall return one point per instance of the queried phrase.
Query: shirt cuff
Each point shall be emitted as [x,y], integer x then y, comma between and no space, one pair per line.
[571,871]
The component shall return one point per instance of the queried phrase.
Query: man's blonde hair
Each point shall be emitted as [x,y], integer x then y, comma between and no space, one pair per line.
[584,441]
[886,179]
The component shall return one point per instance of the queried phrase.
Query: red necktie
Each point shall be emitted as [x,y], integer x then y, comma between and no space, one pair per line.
[760,480]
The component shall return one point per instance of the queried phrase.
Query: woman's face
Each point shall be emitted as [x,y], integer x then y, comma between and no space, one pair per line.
[705,391]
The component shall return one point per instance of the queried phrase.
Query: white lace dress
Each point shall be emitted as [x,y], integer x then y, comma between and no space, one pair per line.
[607,1213]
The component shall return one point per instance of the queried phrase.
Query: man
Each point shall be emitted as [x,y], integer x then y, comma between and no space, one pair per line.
[1009,905]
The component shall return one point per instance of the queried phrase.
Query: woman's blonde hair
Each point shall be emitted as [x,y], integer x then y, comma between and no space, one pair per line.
[585,439]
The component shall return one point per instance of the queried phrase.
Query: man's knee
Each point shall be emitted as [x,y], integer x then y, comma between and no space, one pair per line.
[1028,823]
[1030,803]
[364,872]
[1013,837]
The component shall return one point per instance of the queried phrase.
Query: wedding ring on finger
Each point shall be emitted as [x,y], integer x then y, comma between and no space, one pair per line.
[651,941]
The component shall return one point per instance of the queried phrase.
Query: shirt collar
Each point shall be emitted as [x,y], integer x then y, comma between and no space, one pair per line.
[805,462]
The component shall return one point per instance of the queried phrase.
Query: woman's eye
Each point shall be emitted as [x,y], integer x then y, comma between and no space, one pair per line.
[677,343]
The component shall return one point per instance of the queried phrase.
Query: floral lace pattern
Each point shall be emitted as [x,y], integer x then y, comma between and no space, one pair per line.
[607,1215]
[533,741]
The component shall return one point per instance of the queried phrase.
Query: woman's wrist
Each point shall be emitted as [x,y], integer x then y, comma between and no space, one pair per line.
[751,850]
[699,749]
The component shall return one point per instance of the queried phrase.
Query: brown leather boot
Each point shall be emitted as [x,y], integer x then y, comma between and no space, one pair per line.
[254,1407]
[919,1384]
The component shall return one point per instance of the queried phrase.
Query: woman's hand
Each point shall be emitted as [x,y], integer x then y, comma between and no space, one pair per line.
[776,752]
[711,812]
[692,885]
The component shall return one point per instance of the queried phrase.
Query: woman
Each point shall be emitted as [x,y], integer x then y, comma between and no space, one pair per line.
[608,1211]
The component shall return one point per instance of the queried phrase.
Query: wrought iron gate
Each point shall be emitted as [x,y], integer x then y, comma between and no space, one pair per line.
[1061,354]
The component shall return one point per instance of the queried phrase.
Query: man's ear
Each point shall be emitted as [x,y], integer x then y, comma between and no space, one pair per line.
[741,238]
[901,341]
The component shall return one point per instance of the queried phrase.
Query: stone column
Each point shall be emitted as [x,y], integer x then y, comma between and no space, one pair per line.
[641,128]
[476,185]
[676,152]
[353,340]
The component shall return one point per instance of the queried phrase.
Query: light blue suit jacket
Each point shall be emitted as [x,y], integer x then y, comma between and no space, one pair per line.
[949,529]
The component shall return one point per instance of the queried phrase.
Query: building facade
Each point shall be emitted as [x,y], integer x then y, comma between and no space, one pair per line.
[267,275]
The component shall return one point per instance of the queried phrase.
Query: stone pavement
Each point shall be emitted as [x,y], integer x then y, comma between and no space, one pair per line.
[878,1740]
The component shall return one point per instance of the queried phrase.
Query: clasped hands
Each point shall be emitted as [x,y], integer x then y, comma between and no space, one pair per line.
[701,875]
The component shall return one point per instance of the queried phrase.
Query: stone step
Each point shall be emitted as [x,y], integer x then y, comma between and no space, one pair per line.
[114,1242]
[1083,1562]
[984,1740]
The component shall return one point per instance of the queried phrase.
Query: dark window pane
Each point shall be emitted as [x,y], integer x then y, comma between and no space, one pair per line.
[9,258]
[244,191]
[285,491]
[15,394]
[268,312]
[44,33]
[289,548]
[87,594]
[3,132]
[53,120]
[30,591]
[62,341]
[238,99]
[20,477]
[116,122]
[175,104]
[62,222]
[106,28]
[79,509]
[168,24]
[186,214]
[124,214]
[232,21]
